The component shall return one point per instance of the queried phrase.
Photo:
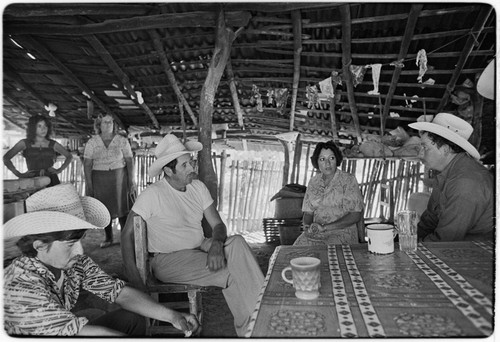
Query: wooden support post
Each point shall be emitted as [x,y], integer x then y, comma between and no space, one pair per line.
[223,158]
[223,42]
[297,50]
[286,166]
[345,15]
[296,160]
[333,119]
[234,94]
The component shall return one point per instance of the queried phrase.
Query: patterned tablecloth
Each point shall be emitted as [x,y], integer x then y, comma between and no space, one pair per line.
[442,290]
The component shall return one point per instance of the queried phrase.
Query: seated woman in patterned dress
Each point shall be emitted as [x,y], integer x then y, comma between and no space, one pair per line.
[333,203]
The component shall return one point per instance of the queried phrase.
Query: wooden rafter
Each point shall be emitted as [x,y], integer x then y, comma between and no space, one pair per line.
[192,19]
[234,93]
[18,79]
[108,59]
[403,51]
[345,15]
[297,50]
[170,74]
[38,46]
[466,52]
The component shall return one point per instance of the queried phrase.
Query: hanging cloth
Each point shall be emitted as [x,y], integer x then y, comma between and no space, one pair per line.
[312,96]
[422,63]
[358,72]
[375,77]
[281,98]
[270,96]
[336,79]
[326,87]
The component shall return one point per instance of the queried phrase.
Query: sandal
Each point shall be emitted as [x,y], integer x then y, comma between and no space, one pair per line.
[105,244]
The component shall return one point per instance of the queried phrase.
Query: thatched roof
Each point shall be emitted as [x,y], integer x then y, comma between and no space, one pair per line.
[90,58]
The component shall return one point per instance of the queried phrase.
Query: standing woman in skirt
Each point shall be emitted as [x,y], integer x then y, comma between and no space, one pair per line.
[109,171]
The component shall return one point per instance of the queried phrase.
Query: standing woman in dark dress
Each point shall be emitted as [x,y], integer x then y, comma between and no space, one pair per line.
[39,151]
[109,171]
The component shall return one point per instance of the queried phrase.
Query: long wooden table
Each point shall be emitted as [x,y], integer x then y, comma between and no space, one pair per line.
[442,290]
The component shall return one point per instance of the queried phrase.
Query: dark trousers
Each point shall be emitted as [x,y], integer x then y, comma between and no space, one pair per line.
[109,229]
[124,321]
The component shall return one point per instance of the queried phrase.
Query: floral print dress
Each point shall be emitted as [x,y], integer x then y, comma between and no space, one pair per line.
[328,202]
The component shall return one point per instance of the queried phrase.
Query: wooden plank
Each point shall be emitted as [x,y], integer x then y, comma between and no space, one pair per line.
[170,74]
[46,54]
[222,178]
[192,19]
[108,59]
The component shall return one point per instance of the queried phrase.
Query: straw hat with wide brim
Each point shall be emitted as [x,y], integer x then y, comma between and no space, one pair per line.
[57,208]
[452,128]
[168,149]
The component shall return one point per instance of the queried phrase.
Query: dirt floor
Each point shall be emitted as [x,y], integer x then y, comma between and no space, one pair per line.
[217,319]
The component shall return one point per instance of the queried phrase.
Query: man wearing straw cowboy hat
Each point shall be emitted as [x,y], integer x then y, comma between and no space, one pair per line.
[462,199]
[42,286]
[173,209]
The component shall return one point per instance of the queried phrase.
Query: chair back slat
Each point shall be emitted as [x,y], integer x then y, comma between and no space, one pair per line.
[141,247]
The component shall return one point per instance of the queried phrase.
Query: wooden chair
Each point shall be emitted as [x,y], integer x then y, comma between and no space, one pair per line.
[157,288]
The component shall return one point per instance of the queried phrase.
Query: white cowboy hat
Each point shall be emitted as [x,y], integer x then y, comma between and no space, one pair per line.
[486,82]
[452,128]
[57,208]
[168,149]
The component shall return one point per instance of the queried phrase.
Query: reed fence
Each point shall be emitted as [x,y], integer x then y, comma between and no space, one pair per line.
[246,186]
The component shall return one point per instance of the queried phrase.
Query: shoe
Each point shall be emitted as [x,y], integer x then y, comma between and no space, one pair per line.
[105,244]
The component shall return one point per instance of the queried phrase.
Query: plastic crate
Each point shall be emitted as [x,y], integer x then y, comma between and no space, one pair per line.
[272,226]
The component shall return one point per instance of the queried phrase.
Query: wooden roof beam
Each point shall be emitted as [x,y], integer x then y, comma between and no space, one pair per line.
[170,74]
[18,79]
[234,93]
[345,15]
[108,59]
[403,51]
[69,74]
[61,9]
[297,50]
[192,19]
[466,52]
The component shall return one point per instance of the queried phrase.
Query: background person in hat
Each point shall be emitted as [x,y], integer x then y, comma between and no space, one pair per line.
[462,199]
[173,208]
[42,286]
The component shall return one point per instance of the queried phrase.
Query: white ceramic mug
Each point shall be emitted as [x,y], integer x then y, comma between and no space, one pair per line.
[306,277]
[381,238]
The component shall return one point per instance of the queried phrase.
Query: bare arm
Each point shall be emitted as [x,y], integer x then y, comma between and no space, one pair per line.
[129,163]
[128,253]
[347,220]
[18,147]
[87,169]
[142,304]
[96,330]
[216,259]
[67,154]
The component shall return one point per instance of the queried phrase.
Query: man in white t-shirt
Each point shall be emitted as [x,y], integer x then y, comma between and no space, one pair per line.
[173,209]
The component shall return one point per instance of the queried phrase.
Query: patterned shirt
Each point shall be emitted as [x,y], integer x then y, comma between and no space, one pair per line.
[35,305]
[107,158]
[328,203]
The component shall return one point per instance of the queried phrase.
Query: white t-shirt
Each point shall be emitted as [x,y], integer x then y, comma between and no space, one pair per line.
[173,217]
